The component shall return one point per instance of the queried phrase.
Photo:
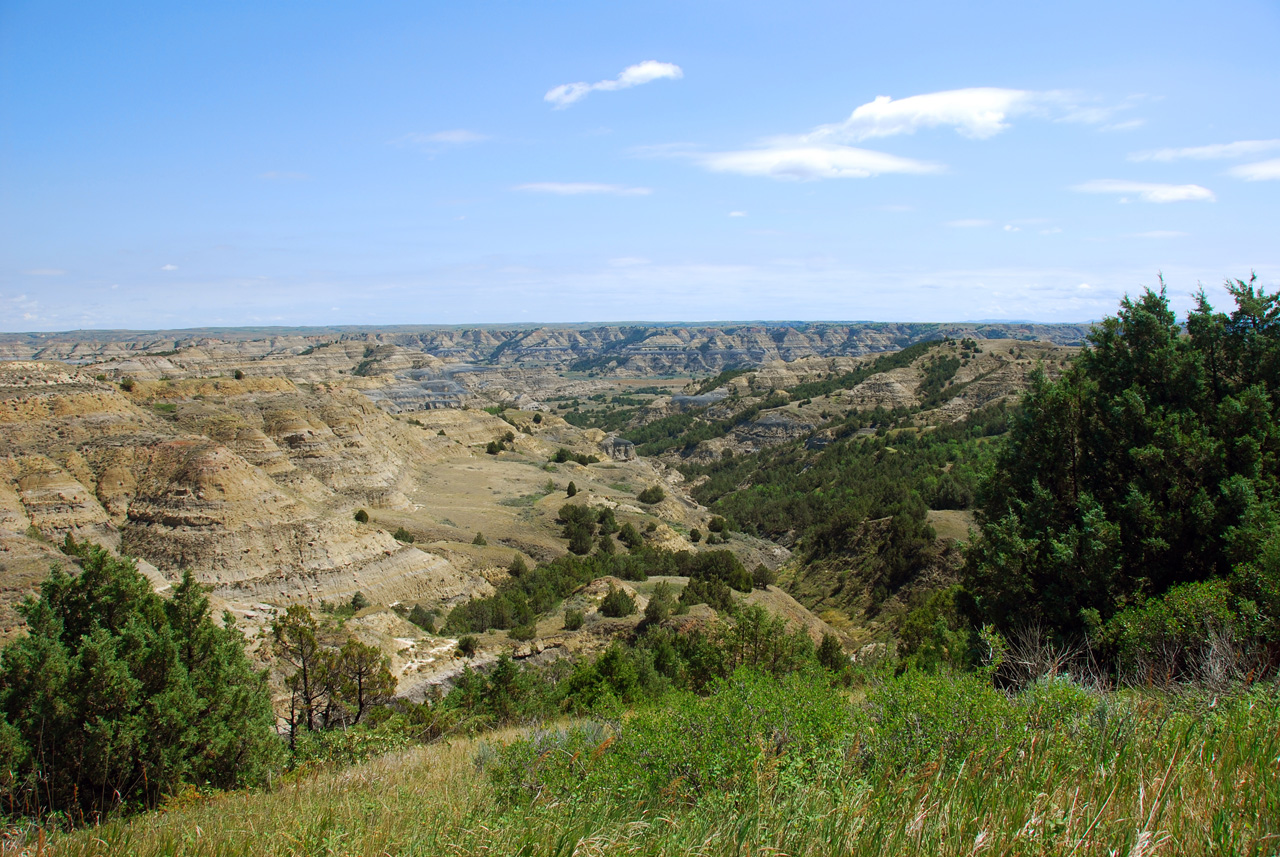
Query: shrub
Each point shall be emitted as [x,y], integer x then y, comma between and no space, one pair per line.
[467,646]
[523,632]
[402,535]
[126,384]
[518,566]
[580,539]
[494,447]
[537,418]
[359,601]
[606,545]
[695,535]
[763,577]
[573,619]
[572,490]
[617,603]
[717,524]
[422,617]
[479,539]
[651,495]
[238,375]
[651,527]
[116,697]
[362,517]
[629,537]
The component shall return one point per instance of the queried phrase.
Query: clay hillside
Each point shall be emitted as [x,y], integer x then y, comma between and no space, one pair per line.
[412,467]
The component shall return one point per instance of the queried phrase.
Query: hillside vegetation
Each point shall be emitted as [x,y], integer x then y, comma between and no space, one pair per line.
[1092,672]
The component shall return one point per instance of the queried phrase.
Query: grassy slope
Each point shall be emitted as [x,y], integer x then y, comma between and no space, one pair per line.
[922,766]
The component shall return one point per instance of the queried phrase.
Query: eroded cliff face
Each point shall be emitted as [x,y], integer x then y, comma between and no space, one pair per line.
[250,484]
[320,354]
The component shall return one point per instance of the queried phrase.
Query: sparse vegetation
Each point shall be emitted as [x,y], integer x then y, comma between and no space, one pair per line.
[652,495]
[403,535]
[361,516]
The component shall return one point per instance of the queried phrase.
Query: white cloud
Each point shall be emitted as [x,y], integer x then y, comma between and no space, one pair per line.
[1009,227]
[168,267]
[1148,191]
[645,72]
[979,113]
[737,214]
[45,272]
[1214,152]
[1261,171]
[968,223]
[1159,233]
[813,162]
[578,188]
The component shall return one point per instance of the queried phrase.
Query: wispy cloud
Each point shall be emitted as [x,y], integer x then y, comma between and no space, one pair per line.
[645,72]
[168,267]
[1261,171]
[438,141]
[737,214]
[1213,152]
[45,272]
[1148,191]
[976,112]
[813,162]
[968,223]
[579,188]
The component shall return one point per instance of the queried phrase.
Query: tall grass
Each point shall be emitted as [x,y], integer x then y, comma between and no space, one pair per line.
[926,765]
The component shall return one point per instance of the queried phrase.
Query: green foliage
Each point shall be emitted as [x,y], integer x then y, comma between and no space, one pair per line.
[523,632]
[1150,464]
[359,601]
[717,524]
[563,455]
[763,577]
[573,619]
[518,566]
[115,697]
[127,384]
[695,535]
[238,374]
[617,603]
[403,535]
[467,645]
[629,536]
[572,490]
[480,540]
[494,447]
[423,618]
[362,517]
[651,495]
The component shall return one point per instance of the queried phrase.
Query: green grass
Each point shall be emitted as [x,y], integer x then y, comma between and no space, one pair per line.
[918,765]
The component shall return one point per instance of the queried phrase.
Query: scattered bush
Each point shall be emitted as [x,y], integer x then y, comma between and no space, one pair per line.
[763,577]
[467,646]
[523,632]
[422,617]
[127,384]
[617,603]
[479,539]
[238,375]
[518,566]
[362,517]
[359,601]
[651,495]
[403,535]
[695,535]
[573,619]
[572,490]
[629,537]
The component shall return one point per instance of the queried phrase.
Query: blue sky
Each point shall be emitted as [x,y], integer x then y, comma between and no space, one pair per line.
[178,165]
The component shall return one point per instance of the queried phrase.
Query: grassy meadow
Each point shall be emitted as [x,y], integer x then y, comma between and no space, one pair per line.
[915,764]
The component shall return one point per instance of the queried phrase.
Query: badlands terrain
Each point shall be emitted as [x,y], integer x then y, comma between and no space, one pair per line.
[246,455]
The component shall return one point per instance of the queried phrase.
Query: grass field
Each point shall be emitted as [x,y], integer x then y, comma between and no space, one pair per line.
[919,765]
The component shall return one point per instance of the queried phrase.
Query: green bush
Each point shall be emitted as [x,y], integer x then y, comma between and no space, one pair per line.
[479,539]
[651,495]
[422,617]
[467,645]
[403,535]
[572,490]
[523,632]
[617,603]
[629,537]
[359,601]
[763,577]
[695,535]
[573,619]
[115,697]
[362,517]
